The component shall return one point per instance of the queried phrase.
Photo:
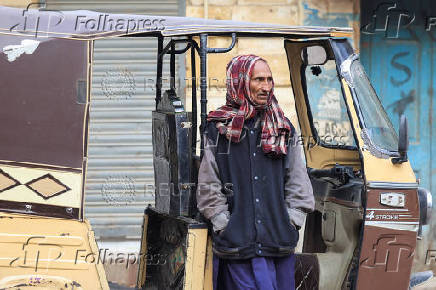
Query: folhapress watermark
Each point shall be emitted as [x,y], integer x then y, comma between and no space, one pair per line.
[42,22]
[389,18]
[108,22]
[42,253]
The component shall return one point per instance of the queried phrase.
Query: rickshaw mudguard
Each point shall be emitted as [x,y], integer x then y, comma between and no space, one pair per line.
[389,231]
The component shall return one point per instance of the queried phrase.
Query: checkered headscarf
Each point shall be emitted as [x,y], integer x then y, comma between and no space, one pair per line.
[240,107]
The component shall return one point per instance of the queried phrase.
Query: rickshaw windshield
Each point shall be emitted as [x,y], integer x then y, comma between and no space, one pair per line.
[377,124]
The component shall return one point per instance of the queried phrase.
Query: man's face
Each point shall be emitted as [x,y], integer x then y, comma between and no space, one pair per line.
[261,82]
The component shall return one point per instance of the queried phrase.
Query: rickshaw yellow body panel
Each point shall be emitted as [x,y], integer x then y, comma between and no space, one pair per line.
[48,253]
[174,247]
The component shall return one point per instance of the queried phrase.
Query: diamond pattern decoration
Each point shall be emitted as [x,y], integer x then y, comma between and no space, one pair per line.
[47,186]
[7,181]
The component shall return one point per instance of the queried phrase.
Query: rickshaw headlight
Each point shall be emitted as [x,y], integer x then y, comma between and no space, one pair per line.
[425,205]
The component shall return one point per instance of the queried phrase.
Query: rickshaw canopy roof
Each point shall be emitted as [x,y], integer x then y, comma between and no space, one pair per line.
[90,25]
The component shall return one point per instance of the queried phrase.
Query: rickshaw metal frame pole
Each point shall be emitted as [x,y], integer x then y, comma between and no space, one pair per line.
[204,50]
[170,48]
[226,49]
[194,97]
[159,70]
[191,43]
[203,87]
[173,66]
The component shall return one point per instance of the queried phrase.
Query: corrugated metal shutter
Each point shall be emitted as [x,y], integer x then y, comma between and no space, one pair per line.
[120,166]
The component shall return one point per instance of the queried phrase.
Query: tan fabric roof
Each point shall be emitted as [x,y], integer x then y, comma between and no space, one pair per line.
[86,25]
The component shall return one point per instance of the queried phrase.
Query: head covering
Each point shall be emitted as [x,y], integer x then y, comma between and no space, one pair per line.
[240,106]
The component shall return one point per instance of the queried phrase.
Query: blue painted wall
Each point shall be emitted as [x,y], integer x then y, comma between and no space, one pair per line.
[398,50]
[314,17]
[399,56]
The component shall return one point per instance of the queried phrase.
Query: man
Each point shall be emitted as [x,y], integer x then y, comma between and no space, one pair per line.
[252,184]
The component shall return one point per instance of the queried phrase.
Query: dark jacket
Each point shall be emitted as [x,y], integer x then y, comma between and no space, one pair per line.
[251,188]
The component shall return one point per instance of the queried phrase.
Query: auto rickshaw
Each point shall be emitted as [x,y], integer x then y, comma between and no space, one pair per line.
[369,206]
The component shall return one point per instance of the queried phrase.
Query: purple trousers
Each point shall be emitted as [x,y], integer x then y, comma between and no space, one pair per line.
[260,273]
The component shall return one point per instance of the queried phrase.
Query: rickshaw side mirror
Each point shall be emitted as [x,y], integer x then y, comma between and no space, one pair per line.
[314,55]
[403,141]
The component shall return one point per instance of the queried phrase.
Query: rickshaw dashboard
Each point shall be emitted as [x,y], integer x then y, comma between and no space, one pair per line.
[339,183]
